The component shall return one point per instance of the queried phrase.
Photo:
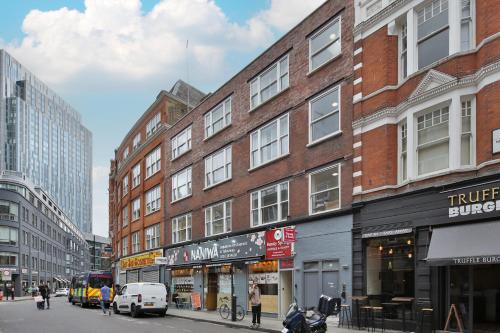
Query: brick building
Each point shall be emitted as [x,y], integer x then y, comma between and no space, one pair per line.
[271,149]
[426,156]
[136,193]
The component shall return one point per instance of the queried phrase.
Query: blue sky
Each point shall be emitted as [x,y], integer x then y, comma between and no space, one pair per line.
[110,58]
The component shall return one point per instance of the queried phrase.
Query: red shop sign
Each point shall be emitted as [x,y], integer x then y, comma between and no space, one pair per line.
[276,247]
[289,234]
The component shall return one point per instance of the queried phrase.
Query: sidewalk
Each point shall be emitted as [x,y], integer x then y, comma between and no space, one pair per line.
[17,299]
[271,325]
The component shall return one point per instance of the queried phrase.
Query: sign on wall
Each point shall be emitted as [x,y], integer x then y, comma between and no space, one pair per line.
[141,260]
[479,201]
[279,243]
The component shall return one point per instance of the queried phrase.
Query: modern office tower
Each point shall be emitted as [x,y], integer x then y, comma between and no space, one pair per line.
[42,137]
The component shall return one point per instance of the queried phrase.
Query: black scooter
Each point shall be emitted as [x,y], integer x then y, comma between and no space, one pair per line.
[298,321]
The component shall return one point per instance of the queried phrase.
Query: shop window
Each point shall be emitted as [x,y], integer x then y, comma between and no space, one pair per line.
[265,274]
[390,267]
[325,189]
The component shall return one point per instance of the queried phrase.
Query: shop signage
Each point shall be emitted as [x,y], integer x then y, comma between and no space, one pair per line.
[141,260]
[2,269]
[161,261]
[496,141]
[286,263]
[289,234]
[476,260]
[386,233]
[276,247]
[231,248]
[479,202]
[24,271]
[6,276]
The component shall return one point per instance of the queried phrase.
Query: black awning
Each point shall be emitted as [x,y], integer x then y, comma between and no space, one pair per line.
[469,244]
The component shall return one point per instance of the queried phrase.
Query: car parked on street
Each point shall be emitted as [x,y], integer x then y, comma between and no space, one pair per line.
[62,292]
[141,297]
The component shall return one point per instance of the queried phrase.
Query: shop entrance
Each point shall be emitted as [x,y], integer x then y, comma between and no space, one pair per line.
[286,296]
[217,280]
[475,291]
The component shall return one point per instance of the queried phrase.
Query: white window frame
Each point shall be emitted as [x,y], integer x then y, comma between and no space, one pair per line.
[454,100]
[137,141]
[226,218]
[188,230]
[227,166]
[226,118]
[153,162]
[256,135]
[177,145]
[339,187]
[125,246]
[136,175]
[125,217]
[153,124]
[402,134]
[152,237]
[136,211]
[279,88]
[279,202]
[125,185]
[136,242]
[319,32]
[338,110]
[125,153]
[153,200]
[188,184]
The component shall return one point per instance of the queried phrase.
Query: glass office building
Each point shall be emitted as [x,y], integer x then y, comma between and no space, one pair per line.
[42,136]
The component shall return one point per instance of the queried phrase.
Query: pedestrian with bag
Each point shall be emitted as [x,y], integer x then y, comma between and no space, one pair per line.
[256,304]
[13,292]
[43,292]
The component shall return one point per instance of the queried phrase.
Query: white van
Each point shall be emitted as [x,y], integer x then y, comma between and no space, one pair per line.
[142,297]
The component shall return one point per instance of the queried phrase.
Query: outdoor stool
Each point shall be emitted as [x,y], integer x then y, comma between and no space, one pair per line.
[366,314]
[378,310]
[426,313]
[345,315]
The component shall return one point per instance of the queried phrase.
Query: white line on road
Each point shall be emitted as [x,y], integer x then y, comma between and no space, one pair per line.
[186,330]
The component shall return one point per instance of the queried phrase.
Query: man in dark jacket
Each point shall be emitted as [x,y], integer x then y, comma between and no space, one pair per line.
[44,293]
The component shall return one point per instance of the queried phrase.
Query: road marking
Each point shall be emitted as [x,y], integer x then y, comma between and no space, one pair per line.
[186,330]
[169,326]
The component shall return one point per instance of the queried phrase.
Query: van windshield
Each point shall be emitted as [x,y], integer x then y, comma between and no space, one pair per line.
[154,289]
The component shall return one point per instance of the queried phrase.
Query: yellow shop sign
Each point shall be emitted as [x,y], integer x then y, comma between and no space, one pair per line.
[141,260]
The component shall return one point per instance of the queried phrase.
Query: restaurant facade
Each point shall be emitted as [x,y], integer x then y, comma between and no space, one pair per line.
[436,247]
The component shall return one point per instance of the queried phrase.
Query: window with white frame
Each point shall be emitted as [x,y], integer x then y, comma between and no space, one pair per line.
[125,153]
[324,189]
[218,118]
[272,81]
[125,246]
[324,45]
[433,33]
[153,162]
[181,143]
[181,228]
[403,137]
[324,117]
[152,236]
[466,26]
[218,167]
[269,142]
[137,141]
[136,209]
[136,175]
[181,184]
[404,51]
[466,139]
[153,198]
[270,204]
[125,216]
[153,125]
[125,185]
[136,243]
[218,218]
[433,141]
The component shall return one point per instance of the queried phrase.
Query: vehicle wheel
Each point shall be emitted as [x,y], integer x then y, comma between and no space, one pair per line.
[83,305]
[240,313]
[133,311]
[115,309]
[224,311]
[163,313]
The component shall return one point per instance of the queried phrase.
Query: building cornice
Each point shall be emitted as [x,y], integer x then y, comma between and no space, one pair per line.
[380,16]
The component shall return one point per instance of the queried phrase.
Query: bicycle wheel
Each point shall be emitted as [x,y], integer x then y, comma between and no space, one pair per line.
[224,311]
[240,313]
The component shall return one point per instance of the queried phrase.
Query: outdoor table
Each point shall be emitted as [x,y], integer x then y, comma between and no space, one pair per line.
[403,301]
[391,305]
[356,299]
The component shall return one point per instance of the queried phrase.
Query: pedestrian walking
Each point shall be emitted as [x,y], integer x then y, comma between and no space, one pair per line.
[6,292]
[105,293]
[47,292]
[44,293]
[256,304]
[13,292]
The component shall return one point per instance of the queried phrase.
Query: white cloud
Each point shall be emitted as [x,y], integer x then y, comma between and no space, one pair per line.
[100,200]
[114,38]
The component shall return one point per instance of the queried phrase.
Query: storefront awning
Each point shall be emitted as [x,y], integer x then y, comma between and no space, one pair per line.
[469,244]
[57,279]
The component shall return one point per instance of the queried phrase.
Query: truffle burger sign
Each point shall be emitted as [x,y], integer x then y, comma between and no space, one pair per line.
[478,201]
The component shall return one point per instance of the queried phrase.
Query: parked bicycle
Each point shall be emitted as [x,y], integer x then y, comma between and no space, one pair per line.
[225,309]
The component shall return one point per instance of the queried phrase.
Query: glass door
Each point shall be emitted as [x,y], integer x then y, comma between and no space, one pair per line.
[460,294]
